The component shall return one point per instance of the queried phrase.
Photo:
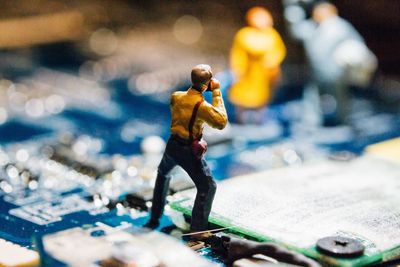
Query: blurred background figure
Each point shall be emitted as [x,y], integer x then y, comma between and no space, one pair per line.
[255,59]
[338,58]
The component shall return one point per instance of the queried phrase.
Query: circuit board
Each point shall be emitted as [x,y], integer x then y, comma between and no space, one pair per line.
[80,143]
[282,205]
[63,170]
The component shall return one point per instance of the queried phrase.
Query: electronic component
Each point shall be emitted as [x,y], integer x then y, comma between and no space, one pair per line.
[140,200]
[103,245]
[297,206]
[52,211]
[236,248]
[66,156]
[13,255]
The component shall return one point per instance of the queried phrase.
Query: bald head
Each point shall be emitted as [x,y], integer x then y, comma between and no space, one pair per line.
[324,11]
[259,17]
[201,76]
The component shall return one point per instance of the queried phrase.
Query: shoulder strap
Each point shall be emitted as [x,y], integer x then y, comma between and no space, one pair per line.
[193,118]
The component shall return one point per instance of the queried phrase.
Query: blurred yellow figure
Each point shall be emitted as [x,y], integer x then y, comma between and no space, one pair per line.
[256,55]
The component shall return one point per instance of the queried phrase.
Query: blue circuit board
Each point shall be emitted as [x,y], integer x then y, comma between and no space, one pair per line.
[29,212]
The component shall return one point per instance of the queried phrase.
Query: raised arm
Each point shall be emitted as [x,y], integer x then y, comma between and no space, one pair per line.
[214,114]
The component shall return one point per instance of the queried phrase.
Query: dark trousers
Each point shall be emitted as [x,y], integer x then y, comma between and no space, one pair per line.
[178,153]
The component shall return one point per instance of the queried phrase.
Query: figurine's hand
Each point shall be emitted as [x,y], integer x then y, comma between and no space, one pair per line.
[214,84]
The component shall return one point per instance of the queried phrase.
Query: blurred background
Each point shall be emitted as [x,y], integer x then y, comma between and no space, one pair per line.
[209,29]
[107,68]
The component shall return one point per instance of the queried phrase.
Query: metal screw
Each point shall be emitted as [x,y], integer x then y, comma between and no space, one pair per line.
[338,246]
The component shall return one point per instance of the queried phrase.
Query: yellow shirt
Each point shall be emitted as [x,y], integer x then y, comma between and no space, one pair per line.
[182,104]
[256,56]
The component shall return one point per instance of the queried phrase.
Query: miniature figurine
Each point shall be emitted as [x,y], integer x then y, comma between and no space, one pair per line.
[338,58]
[185,147]
[256,55]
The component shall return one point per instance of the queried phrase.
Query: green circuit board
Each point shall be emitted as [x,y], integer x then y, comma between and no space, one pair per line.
[297,206]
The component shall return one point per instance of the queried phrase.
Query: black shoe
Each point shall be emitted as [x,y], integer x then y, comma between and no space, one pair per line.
[152,224]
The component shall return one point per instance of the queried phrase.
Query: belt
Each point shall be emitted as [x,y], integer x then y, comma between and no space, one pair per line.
[183,141]
[180,140]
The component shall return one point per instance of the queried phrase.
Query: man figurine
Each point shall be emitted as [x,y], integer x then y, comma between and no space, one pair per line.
[189,113]
[338,58]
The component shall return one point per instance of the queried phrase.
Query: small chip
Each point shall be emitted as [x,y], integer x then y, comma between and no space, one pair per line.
[14,255]
[139,199]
